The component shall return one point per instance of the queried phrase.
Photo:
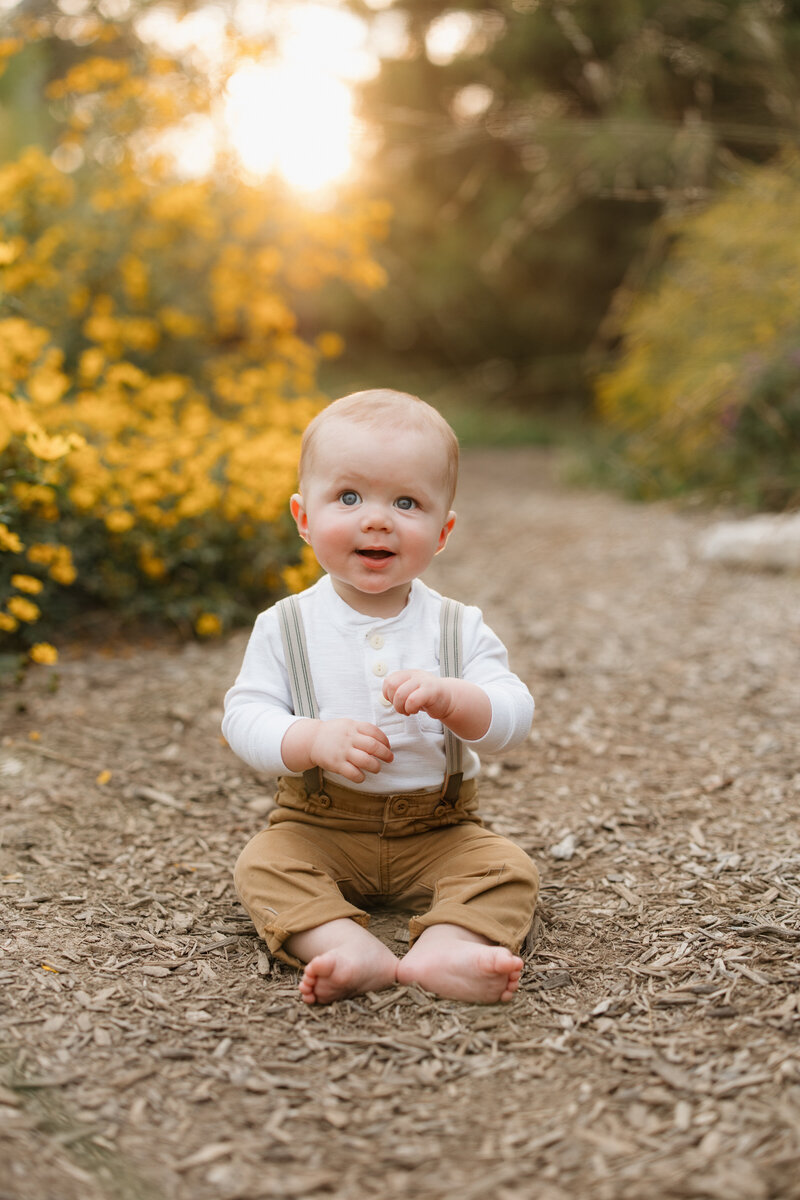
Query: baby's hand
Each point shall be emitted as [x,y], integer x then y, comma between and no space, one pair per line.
[349,748]
[463,707]
[419,691]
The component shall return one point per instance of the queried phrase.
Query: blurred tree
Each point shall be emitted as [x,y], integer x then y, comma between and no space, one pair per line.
[528,147]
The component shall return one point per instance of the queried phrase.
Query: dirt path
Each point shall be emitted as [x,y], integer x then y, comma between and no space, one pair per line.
[150,1051]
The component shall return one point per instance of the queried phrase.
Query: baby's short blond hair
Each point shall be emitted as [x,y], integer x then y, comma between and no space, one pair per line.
[381,408]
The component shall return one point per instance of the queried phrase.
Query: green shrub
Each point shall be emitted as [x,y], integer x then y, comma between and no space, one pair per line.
[706,392]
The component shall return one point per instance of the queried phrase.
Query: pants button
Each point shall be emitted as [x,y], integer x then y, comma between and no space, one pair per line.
[401,807]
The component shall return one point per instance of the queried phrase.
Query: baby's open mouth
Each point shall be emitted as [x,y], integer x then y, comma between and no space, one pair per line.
[376,553]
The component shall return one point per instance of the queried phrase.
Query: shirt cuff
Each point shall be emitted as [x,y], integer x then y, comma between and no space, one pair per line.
[510,723]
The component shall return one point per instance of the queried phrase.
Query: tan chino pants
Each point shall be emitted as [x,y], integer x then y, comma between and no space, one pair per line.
[338,852]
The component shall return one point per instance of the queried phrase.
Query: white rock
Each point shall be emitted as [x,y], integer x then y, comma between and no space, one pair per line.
[565,848]
[769,542]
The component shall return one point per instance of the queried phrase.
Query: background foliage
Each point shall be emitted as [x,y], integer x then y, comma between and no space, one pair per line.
[577,190]
[529,170]
[153,381]
[708,390]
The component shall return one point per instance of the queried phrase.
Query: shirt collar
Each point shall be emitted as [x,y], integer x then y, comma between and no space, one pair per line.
[343,615]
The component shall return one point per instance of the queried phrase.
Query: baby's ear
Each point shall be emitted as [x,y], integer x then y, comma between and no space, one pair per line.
[298,511]
[447,529]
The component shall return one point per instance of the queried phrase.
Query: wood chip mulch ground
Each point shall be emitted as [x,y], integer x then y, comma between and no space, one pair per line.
[151,1050]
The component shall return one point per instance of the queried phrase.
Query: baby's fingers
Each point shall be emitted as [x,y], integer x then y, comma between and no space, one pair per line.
[409,699]
[366,729]
[370,753]
[410,696]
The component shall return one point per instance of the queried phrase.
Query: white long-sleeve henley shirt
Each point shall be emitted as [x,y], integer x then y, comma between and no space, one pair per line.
[350,653]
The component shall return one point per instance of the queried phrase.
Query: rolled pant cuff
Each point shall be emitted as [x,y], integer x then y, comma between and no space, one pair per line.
[453,913]
[307,915]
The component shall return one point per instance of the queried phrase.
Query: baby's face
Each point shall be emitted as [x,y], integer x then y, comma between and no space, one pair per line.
[374,510]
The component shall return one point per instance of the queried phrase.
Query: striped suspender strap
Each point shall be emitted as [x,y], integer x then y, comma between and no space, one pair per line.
[304,702]
[450,665]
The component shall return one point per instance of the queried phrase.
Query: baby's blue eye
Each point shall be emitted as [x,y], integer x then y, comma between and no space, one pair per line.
[405,503]
[349,498]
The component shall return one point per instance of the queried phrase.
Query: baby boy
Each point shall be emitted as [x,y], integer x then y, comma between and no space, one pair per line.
[368,812]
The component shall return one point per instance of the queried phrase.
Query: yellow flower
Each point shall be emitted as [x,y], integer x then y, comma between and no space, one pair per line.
[179,324]
[24,610]
[9,540]
[9,251]
[8,624]
[83,497]
[152,565]
[47,387]
[119,521]
[91,364]
[330,345]
[10,45]
[63,572]
[44,553]
[43,652]
[27,583]
[103,777]
[298,577]
[125,373]
[208,625]
[49,449]
[14,418]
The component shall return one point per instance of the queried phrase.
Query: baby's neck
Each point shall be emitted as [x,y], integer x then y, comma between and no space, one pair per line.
[383,605]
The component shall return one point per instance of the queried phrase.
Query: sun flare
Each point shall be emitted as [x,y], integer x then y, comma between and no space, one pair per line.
[290,120]
[293,114]
[289,113]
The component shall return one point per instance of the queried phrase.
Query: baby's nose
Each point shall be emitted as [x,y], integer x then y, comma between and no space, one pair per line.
[376,516]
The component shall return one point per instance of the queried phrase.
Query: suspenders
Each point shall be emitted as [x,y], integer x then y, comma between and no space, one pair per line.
[450,665]
[304,702]
[295,651]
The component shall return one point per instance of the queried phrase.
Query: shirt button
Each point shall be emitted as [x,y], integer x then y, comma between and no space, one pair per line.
[385,701]
[379,668]
[376,641]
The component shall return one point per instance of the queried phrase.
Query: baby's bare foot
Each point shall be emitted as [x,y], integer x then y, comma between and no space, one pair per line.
[461,967]
[343,959]
[344,971]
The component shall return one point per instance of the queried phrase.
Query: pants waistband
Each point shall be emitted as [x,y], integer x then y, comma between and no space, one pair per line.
[394,814]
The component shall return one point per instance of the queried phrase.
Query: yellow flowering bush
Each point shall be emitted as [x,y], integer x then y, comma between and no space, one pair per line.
[154,381]
[706,393]
[29,495]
